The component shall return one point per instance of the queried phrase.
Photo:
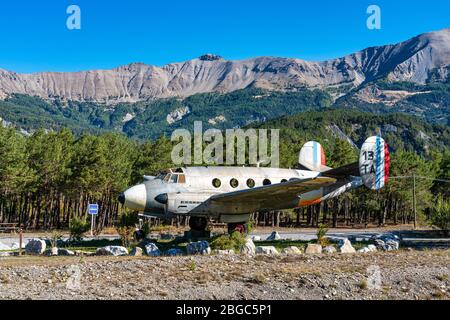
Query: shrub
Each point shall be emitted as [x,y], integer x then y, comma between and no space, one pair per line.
[192,265]
[249,227]
[363,284]
[234,241]
[126,228]
[77,228]
[440,215]
[146,228]
[54,238]
[321,232]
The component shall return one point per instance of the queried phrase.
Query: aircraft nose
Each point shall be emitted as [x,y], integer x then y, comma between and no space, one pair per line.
[134,198]
[121,198]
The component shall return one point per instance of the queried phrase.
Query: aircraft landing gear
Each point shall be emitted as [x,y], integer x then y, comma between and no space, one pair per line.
[239,227]
[198,230]
[198,223]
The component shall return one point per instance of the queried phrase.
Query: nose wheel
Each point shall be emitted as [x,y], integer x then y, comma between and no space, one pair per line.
[198,223]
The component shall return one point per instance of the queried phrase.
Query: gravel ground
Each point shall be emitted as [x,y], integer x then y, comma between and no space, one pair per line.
[382,275]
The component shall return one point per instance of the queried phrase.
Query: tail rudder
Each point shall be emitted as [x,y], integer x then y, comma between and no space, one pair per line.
[312,157]
[374,163]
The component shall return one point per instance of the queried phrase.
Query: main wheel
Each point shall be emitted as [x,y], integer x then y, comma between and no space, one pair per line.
[198,223]
[239,227]
[139,235]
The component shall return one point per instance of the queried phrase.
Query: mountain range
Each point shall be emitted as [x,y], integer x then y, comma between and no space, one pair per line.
[420,60]
[144,101]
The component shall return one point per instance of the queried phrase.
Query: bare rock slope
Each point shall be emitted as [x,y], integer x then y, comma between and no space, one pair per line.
[415,60]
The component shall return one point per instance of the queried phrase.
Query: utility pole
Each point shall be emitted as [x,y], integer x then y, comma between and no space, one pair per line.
[414,201]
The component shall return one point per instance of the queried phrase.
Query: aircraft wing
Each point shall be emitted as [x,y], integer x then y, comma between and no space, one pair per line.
[273,195]
[343,172]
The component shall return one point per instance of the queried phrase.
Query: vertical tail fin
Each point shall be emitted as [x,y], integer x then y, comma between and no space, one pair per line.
[312,157]
[374,163]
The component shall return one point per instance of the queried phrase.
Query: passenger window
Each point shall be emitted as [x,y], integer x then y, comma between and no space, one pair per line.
[234,183]
[250,183]
[266,182]
[160,176]
[174,178]
[167,177]
[181,178]
[216,183]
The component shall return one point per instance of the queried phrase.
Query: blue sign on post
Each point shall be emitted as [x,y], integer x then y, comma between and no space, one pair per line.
[93,208]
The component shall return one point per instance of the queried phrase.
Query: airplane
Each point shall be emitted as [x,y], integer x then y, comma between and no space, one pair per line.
[231,194]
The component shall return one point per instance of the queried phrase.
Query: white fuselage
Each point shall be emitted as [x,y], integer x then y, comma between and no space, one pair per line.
[184,190]
[200,179]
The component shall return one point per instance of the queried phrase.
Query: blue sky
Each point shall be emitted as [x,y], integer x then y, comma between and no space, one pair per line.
[34,36]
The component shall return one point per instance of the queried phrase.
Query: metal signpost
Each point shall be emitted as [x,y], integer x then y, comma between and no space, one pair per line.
[92,210]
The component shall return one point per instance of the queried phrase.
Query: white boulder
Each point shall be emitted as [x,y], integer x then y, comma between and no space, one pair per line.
[136,252]
[271,250]
[274,236]
[387,242]
[329,249]
[392,245]
[249,247]
[291,250]
[35,246]
[364,250]
[65,252]
[372,248]
[112,251]
[54,251]
[15,246]
[5,247]
[200,247]
[313,248]
[152,250]
[346,247]
[256,238]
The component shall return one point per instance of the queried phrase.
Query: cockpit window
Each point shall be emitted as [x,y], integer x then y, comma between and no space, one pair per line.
[173,178]
[160,175]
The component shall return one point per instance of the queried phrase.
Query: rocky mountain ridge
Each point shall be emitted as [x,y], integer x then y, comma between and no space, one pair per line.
[419,60]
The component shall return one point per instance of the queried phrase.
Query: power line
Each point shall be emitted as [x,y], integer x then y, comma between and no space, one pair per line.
[421,177]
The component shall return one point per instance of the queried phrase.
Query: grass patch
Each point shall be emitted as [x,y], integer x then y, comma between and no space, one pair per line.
[438,294]
[258,278]
[442,277]
[192,266]
[90,245]
[12,250]
[363,285]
